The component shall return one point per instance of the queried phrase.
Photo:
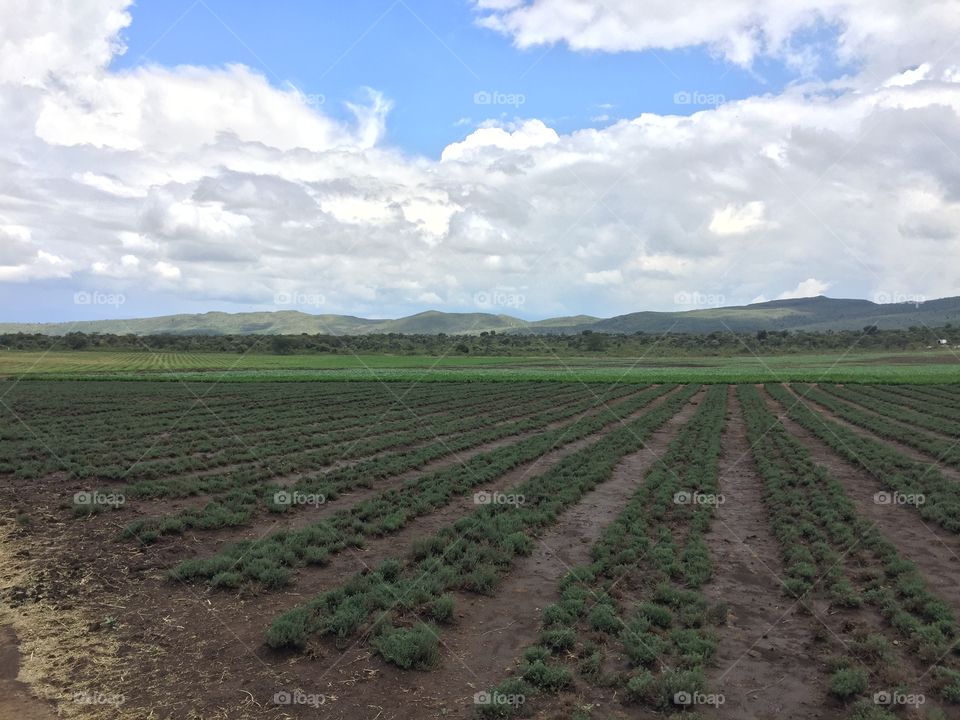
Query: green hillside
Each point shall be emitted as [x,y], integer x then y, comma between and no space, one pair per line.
[812,314]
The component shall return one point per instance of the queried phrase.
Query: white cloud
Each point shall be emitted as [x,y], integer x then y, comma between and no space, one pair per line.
[212,185]
[889,33]
[166,271]
[811,287]
[531,134]
[733,220]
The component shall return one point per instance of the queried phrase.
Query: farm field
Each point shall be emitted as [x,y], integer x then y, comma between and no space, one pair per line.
[934,367]
[484,549]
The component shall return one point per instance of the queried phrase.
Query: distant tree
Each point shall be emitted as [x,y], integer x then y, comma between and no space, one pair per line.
[871,329]
[463,348]
[282,345]
[77,340]
[595,342]
[762,335]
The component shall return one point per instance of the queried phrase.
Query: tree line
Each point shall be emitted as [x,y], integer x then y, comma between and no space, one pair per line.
[763,342]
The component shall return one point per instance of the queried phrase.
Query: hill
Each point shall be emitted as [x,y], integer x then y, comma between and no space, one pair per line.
[815,314]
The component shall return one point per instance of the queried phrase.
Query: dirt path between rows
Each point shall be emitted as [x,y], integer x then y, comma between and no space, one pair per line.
[491,632]
[376,550]
[910,452]
[206,543]
[932,549]
[764,666]
[217,638]
[863,403]
[15,698]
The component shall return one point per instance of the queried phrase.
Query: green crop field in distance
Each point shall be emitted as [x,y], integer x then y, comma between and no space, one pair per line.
[940,367]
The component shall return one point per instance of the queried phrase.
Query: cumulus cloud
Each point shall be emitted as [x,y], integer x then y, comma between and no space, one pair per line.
[214,187]
[811,287]
[739,30]
[733,220]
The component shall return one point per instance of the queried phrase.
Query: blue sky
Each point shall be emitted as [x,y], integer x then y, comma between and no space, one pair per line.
[430,58]
[184,175]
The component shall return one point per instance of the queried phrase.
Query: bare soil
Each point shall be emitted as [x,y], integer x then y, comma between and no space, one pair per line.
[765,666]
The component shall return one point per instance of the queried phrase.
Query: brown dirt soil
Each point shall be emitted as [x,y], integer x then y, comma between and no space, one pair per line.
[910,452]
[206,543]
[765,666]
[863,403]
[491,632]
[306,515]
[97,616]
[15,698]
[182,651]
[932,549]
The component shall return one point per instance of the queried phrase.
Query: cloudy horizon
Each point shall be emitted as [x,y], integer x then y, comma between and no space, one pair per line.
[588,157]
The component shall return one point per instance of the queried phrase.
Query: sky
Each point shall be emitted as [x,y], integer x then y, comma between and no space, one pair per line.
[531,157]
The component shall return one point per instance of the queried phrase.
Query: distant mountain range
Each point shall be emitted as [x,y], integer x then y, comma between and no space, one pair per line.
[812,314]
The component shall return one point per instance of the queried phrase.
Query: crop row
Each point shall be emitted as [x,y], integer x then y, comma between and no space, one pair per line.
[639,599]
[895,408]
[302,450]
[910,397]
[472,554]
[268,560]
[247,488]
[894,471]
[943,450]
[101,452]
[829,551]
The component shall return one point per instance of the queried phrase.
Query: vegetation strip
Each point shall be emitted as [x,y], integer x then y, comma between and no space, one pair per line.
[829,550]
[268,560]
[639,600]
[472,554]
[920,485]
[248,489]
